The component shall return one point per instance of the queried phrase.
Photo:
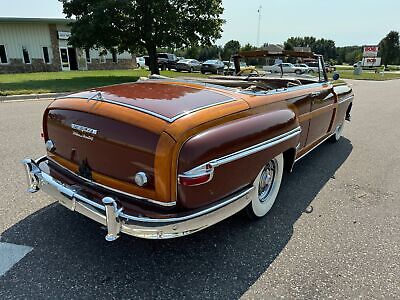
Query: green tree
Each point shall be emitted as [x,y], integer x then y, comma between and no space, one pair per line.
[321,46]
[389,48]
[135,25]
[348,54]
[230,48]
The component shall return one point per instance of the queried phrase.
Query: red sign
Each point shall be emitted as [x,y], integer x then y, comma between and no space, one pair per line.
[370,51]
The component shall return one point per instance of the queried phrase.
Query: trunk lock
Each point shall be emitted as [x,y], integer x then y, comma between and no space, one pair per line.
[141,178]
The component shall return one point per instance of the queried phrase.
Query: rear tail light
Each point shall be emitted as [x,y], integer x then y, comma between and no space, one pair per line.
[197,176]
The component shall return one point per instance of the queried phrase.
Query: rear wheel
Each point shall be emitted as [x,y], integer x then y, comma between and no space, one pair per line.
[298,72]
[266,188]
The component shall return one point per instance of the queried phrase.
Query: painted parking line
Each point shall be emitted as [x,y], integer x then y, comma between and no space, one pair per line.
[10,254]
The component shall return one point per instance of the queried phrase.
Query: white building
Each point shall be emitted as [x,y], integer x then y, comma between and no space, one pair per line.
[37,45]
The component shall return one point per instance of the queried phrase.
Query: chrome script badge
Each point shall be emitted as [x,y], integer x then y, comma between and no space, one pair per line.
[83,131]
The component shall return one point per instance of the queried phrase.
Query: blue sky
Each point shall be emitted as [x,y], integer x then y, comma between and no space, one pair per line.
[347,22]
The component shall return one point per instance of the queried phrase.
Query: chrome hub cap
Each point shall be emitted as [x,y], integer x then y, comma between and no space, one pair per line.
[339,130]
[266,180]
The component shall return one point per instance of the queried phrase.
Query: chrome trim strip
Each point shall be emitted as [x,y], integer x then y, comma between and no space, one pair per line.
[345,99]
[200,108]
[297,159]
[282,90]
[191,216]
[246,152]
[165,204]
[149,112]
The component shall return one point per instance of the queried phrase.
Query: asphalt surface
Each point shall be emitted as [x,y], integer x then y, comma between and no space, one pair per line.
[347,247]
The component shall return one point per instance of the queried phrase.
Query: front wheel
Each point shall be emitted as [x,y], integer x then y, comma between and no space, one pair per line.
[338,133]
[266,188]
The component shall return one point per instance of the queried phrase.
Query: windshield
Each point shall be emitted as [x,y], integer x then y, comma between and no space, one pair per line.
[184,61]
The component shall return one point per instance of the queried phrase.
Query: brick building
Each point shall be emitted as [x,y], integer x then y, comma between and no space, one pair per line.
[40,45]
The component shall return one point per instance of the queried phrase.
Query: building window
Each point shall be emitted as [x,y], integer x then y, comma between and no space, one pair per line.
[3,54]
[87,53]
[25,53]
[46,56]
[114,56]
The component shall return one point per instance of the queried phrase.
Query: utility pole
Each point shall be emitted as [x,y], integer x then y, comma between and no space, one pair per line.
[259,24]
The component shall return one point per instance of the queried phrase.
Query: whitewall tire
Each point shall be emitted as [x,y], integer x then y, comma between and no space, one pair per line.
[338,133]
[266,188]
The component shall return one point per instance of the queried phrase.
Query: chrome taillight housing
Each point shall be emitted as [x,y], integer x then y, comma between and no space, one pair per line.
[197,176]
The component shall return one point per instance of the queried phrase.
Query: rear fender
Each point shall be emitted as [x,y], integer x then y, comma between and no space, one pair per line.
[237,150]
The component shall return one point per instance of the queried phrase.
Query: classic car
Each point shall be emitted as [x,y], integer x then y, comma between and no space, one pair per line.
[163,158]
[188,64]
[214,66]
[164,61]
[286,68]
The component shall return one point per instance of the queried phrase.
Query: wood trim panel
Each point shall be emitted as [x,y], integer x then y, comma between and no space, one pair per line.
[317,112]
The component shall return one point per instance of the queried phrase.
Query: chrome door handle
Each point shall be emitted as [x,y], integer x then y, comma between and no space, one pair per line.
[315,94]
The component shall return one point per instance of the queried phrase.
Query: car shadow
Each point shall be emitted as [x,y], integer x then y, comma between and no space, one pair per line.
[71,259]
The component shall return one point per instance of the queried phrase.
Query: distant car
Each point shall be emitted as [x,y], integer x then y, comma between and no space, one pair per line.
[286,68]
[214,66]
[229,68]
[305,66]
[189,65]
[167,61]
[140,61]
[313,66]
[329,68]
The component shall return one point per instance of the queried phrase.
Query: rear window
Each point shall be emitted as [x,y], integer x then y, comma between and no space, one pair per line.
[162,55]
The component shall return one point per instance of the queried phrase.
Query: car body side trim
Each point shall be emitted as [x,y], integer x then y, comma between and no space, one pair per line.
[244,152]
[346,99]
[316,145]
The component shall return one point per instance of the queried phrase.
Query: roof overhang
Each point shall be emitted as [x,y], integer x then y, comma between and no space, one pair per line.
[35,20]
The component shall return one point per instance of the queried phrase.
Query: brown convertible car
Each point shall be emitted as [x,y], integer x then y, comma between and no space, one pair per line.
[163,158]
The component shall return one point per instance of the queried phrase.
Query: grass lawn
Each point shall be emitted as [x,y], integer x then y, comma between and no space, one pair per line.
[52,82]
[366,75]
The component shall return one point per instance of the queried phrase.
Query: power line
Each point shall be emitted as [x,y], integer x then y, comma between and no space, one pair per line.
[259,24]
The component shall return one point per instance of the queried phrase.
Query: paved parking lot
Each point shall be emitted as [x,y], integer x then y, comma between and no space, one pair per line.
[347,247]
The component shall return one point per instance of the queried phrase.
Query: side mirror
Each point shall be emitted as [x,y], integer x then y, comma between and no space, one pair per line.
[335,76]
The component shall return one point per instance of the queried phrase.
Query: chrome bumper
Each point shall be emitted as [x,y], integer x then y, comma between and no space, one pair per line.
[114,218]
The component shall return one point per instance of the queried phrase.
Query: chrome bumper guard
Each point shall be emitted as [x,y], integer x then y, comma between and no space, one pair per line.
[116,221]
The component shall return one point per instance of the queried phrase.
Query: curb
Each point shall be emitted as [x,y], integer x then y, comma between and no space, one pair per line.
[31,97]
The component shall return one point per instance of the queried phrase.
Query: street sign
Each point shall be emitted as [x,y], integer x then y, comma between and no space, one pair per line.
[370,51]
[371,62]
